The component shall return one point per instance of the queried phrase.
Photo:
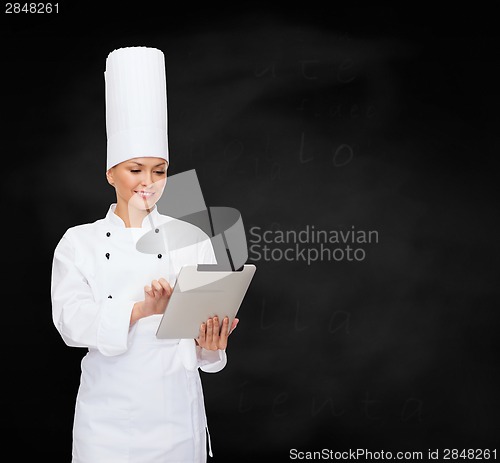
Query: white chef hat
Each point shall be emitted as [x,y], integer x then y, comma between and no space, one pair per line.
[136,104]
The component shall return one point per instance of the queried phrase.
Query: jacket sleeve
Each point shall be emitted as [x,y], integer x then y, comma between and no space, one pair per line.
[80,320]
[209,361]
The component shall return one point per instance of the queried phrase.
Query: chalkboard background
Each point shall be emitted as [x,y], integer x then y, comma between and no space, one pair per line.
[338,119]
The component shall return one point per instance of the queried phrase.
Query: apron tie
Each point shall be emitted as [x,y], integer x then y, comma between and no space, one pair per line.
[209,443]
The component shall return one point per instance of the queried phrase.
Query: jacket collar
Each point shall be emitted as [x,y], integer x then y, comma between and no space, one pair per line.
[150,221]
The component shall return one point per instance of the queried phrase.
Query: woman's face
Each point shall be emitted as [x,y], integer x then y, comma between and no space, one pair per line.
[139,182]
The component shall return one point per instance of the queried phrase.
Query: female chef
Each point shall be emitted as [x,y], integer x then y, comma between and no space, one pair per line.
[140,398]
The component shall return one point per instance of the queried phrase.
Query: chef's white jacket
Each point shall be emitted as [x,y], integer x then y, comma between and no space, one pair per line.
[140,398]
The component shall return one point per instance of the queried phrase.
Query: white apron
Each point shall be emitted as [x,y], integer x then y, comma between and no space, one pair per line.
[140,399]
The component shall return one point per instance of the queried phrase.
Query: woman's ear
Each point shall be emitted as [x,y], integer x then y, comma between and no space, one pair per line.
[109,176]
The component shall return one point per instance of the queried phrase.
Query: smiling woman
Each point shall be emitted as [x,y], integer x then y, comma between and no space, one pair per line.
[140,398]
[139,184]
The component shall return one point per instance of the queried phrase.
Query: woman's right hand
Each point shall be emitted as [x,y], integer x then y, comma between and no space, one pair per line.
[156,298]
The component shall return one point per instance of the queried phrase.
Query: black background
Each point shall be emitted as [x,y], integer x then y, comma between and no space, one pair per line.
[324,115]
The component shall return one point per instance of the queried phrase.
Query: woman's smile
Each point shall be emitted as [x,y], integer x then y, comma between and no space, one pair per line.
[144,194]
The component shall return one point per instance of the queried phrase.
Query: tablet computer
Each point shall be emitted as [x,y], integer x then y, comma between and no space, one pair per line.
[199,295]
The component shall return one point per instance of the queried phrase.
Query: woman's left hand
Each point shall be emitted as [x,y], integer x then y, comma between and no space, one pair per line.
[212,336]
